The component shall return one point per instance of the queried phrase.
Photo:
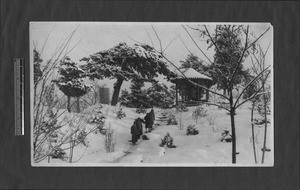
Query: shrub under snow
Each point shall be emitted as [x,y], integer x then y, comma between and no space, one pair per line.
[99,119]
[226,136]
[191,130]
[171,120]
[168,141]
[120,114]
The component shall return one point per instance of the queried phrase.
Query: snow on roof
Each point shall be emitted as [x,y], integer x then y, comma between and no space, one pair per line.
[192,74]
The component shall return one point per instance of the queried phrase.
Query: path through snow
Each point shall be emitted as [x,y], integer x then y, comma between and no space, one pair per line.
[144,149]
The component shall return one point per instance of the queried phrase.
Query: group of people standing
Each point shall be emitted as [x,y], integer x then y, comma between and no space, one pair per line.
[137,127]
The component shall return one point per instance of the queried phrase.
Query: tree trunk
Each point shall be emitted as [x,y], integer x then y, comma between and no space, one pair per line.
[71,152]
[78,104]
[71,148]
[253,139]
[233,135]
[117,87]
[180,123]
[265,135]
[69,104]
[232,113]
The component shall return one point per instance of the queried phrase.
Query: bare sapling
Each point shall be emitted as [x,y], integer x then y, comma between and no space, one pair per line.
[211,118]
[109,142]
[47,114]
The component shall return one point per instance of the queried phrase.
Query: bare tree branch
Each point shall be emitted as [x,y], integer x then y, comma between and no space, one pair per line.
[197,29]
[241,57]
[253,96]
[80,156]
[185,45]
[74,46]
[258,38]
[150,38]
[197,45]
[157,38]
[264,53]
[205,88]
[259,75]
[170,43]
[212,40]
[218,105]
[135,40]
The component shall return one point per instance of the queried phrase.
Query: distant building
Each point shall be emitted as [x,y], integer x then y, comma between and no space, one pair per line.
[104,95]
[188,93]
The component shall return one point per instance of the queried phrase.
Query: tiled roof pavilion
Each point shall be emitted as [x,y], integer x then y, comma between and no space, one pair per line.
[191,74]
[188,93]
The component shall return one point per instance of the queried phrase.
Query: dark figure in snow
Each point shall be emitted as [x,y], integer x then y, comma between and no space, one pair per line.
[148,122]
[134,132]
[152,117]
[139,124]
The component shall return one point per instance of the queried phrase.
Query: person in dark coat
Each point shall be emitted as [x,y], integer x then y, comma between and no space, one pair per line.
[134,132]
[139,122]
[152,115]
[148,121]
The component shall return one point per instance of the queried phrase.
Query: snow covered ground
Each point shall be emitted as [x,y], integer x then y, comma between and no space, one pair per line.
[204,149]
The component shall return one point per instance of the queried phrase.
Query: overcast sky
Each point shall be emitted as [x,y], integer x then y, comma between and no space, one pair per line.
[97,36]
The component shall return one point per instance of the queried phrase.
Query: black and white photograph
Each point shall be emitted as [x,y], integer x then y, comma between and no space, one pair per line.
[151,94]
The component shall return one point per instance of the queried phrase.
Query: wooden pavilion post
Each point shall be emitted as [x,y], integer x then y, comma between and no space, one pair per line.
[207,93]
[183,92]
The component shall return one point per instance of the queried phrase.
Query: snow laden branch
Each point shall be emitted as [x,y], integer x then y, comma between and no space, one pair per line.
[125,62]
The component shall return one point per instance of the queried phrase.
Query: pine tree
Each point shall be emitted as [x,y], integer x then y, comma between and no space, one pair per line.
[160,96]
[124,63]
[138,95]
[192,61]
[70,82]
[228,50]
[125,98]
